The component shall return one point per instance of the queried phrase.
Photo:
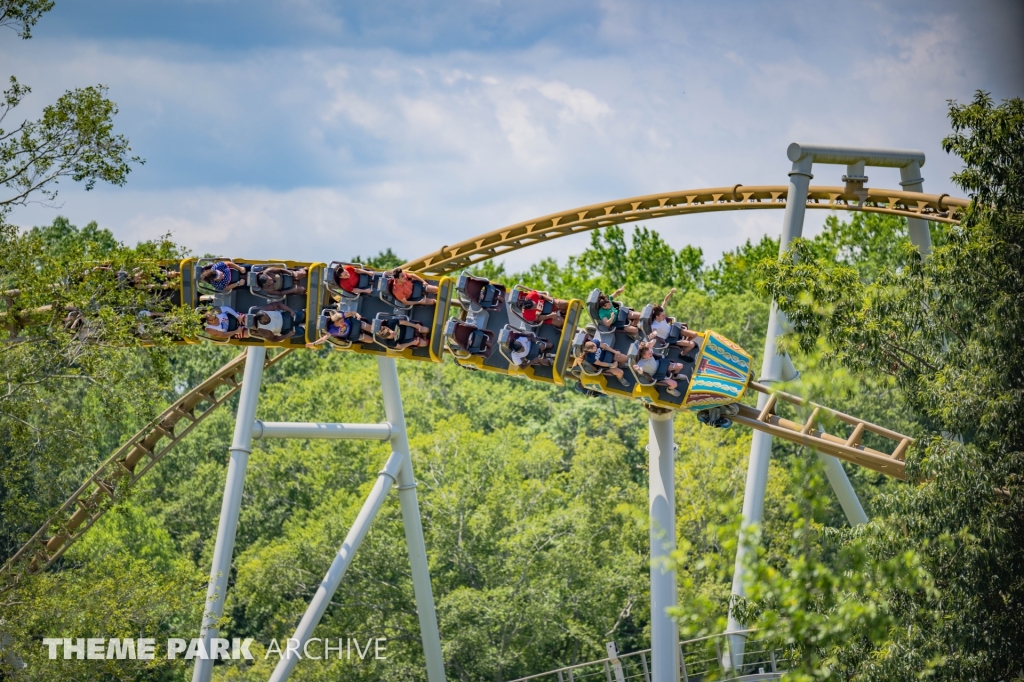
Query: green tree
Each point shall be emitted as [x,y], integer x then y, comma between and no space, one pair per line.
[948,329]
[22,15]
[73,138]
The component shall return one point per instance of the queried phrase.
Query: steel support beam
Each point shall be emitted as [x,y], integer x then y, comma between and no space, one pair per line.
[911,181]
[662,510]
[322,599]
[322,430]
[774,366]
[771,371]
[227,526]
[407,497]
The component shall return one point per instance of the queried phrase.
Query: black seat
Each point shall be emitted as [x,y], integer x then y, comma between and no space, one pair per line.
[471,339]
[480,292]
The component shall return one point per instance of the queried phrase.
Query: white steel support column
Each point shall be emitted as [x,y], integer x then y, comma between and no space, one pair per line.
[917,229]
[241,444]
[407,497]
[772,368]
[847,496]
[771,371]
[322,599]
[662,509]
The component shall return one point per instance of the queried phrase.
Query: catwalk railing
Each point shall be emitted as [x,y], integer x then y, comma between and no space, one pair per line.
[700,660]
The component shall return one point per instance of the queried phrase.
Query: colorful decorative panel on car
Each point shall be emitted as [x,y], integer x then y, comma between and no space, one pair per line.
[721,375]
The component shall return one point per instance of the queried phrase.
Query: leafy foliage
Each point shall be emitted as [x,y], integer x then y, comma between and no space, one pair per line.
[22,15]
[948,330]
[73,367]
[74,138]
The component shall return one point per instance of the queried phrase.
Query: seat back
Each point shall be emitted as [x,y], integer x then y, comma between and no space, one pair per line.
[576,349]
[476,293]
[592,304]
[645,319]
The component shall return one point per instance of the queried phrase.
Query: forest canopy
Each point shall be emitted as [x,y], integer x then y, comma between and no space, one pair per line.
[534,497]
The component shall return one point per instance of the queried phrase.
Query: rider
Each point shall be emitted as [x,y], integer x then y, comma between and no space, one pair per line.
[532,304]
[400,334]
[348,279]
[647,364]
[271,280]
[224,275]
[608,314]
[224,323]
[595,354]
[661,327]
[402,288]
[521,349]
[347,326]
[271,323]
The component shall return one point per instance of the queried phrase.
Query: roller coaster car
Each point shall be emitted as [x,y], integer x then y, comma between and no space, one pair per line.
[477,293]
[244,298]
[253,281]
[364,282]
[369,307]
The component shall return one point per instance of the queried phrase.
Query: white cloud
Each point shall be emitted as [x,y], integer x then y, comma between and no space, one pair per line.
[320,152]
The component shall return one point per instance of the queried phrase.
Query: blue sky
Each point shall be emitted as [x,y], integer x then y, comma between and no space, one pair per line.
[309,129]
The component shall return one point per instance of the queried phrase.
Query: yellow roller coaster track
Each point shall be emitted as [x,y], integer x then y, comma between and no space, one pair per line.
[122,469]
[935,207]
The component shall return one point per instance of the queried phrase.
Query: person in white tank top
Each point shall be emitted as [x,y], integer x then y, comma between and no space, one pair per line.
[271,323]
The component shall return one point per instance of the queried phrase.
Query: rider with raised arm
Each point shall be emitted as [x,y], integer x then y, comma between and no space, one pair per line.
[661,326]
[608,315]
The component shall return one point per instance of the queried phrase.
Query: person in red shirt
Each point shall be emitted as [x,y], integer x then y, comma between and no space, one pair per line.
[531,306]
[348,279]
